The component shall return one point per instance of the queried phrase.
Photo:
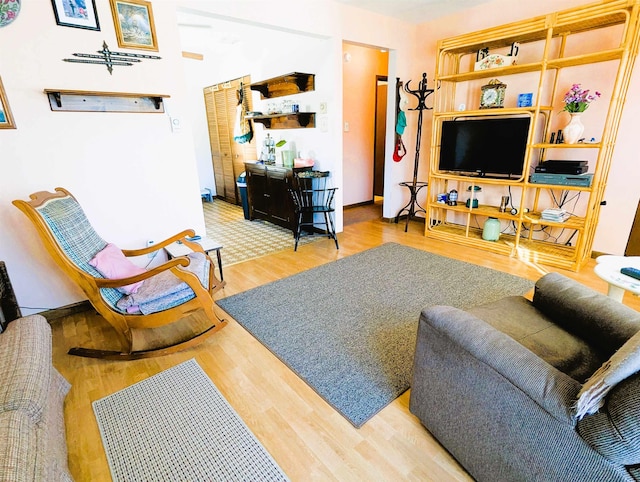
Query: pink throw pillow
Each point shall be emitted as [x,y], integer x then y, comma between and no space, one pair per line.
[112,264]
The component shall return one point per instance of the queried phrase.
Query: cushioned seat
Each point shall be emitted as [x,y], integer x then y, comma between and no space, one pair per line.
[522,321]
[26,352]
[173,291]
[500,385]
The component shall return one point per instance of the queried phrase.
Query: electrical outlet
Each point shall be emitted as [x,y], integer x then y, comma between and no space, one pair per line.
[152,254]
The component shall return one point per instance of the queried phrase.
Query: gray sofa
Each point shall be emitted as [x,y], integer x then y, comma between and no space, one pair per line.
[497,385]
[32,435]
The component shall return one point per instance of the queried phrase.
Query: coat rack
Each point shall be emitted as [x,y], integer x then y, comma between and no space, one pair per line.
[413,207]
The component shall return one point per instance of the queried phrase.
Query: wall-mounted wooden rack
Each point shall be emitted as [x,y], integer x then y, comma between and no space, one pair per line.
[288,84]
[90,101]
[286,121]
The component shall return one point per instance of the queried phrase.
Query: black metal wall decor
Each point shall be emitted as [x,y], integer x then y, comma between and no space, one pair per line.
[110,59]
[413,207]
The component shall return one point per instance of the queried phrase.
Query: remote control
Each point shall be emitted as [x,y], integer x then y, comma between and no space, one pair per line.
[633,272]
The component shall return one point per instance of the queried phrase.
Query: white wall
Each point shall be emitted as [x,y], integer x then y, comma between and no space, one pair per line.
[299,23]
[230,54]
[135,179]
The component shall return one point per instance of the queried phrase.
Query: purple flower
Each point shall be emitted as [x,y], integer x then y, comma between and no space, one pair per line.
[578,99]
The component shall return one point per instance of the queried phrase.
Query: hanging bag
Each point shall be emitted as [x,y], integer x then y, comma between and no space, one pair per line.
[242,130]
[399,151]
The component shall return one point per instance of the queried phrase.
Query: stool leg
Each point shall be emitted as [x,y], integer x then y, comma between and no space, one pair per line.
[220,264]
[298,229]
[333,229]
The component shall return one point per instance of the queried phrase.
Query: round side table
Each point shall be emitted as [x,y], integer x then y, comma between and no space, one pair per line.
[608,268]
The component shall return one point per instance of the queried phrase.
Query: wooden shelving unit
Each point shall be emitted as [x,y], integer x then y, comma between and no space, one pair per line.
[288,84]
[551,44]
[285,85]
[286,121]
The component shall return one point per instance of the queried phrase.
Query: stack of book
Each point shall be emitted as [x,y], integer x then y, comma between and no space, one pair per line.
[556,215]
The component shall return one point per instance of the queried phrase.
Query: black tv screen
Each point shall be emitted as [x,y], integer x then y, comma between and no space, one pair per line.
[485,147]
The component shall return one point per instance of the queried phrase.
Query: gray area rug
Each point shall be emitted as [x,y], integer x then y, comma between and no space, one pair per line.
[177,426]
[348,328]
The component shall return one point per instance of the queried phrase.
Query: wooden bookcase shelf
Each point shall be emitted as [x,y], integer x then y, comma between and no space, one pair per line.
[286,121]
[288,84]
[552,44]
[284,85]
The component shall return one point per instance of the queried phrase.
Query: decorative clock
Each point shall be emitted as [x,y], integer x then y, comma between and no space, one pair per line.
[492,96]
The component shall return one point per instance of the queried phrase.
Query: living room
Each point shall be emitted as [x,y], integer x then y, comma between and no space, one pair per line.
[135,167]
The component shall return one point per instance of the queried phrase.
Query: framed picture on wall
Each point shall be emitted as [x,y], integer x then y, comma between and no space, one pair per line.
[76,13]
[6,119]
[133,20]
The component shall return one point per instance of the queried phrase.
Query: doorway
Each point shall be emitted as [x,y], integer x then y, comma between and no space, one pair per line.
[365,70]
[380,130]
[633,244]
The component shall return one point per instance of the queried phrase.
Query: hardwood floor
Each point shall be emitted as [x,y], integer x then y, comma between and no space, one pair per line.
[308,439]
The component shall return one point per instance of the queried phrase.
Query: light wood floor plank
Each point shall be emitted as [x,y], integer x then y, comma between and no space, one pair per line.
[308,438]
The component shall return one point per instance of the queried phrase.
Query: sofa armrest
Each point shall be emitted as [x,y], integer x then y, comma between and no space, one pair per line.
[501,411]
[549,388]
[599,320]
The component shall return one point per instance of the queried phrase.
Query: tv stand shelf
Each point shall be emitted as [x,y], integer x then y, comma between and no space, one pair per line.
[555,51]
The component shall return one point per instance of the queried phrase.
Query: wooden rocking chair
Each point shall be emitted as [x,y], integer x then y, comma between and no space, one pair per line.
[72,242]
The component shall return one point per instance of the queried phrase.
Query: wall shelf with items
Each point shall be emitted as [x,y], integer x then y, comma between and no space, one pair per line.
[288,84]
[552,56]
[284,85]
[286,121]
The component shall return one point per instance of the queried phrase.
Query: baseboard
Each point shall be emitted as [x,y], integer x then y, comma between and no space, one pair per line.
[403,218]
[358,205]
[67,310]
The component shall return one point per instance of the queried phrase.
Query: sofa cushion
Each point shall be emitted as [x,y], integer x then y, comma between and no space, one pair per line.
[18,446]
[25,358]
[518,318]
[599,320]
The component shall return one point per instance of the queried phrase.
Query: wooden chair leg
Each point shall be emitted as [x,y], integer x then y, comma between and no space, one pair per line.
[298,231]
[136,355]
[208,316]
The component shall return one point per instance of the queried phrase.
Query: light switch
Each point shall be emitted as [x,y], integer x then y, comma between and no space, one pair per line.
[324,124]
[323,108]
[176,124]
[346,126]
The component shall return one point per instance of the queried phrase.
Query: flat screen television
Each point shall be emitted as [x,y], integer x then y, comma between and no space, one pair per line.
[492,147]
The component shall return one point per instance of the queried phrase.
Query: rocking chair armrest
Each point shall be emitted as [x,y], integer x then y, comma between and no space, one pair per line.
[156,246]
[118,282]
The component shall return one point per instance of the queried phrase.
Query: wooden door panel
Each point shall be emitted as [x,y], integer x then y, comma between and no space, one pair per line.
[227,156]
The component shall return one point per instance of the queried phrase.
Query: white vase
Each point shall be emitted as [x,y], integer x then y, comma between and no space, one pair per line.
[572,132]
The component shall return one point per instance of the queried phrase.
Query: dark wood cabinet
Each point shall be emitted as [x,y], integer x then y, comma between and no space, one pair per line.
[268,194]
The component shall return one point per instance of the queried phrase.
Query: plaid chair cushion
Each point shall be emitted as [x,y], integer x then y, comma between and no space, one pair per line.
[76,237]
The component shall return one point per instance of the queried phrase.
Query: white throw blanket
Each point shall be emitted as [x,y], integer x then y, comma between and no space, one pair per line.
[622,364]
[165,290]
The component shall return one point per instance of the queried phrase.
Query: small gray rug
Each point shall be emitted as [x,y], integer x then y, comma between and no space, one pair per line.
[348,328]
[177,426]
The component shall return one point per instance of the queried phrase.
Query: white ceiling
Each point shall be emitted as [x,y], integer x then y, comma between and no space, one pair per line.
[414,11]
